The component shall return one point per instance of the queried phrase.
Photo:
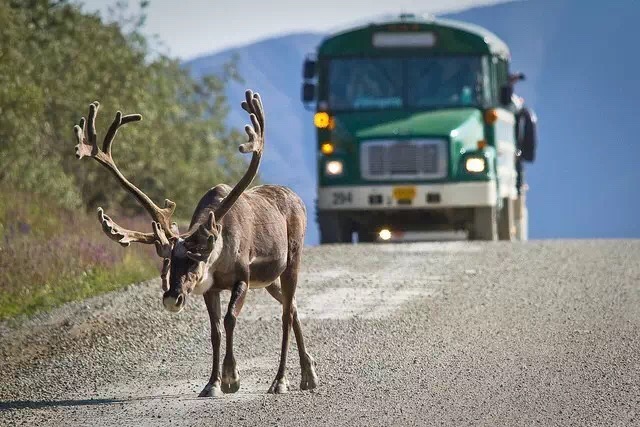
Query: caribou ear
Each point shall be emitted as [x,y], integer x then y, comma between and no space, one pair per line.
[211,221]
[175,229]
[219,228]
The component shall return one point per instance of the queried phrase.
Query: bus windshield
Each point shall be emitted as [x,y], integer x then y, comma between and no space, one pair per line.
[365,83]
[390,83]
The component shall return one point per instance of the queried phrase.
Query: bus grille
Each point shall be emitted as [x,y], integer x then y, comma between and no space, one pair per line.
[401,160]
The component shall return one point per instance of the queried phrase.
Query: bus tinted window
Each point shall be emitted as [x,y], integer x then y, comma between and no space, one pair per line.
[444,81]
[388,83]
[364,84]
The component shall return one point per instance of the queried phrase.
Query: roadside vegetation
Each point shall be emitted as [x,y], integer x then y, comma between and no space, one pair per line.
[55,59]
[50,255]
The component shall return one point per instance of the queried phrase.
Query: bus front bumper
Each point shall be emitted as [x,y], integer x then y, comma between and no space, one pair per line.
[418,197]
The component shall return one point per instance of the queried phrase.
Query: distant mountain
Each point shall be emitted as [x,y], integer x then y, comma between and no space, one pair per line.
[581,63]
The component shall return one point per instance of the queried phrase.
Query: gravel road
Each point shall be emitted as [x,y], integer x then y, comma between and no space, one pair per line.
[449,333]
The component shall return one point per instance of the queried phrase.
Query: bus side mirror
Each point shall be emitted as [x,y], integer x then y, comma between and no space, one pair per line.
[506,92]
[528,138]
[308,92]
[309,69]
[517,77]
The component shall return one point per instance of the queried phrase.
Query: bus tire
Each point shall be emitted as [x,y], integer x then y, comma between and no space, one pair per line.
[506,223]
[521,219]
[334,228]
[485,224]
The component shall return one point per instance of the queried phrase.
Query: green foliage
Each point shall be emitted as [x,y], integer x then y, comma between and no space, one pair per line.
[55,60]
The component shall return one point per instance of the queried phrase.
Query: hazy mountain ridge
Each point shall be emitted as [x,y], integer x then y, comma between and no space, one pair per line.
[580,80]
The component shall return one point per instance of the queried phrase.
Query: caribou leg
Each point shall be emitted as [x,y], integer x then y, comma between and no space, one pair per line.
[212,301]
[289,281]
[307,364]
[230,377]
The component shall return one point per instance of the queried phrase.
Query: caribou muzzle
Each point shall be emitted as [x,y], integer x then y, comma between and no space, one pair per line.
[174,301]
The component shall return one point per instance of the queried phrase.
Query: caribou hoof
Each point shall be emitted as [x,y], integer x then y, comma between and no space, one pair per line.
[309,383]
[230,377]
[279,386]
[309,379]
[211,390]
[231,387]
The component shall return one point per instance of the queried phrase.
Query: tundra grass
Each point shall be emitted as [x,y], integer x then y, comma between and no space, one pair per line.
[50,255]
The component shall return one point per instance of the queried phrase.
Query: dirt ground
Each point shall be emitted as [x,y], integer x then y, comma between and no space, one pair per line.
[450,333]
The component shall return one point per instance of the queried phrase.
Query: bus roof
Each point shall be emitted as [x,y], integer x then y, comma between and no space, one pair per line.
[481,36]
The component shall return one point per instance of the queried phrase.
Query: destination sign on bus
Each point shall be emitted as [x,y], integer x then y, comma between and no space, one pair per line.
[408,39]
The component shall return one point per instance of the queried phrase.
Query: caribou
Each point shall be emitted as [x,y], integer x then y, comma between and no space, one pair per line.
[238,239]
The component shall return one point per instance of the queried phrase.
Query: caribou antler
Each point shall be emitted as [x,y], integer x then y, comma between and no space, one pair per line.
[253,106]
[88,146]
[120,234]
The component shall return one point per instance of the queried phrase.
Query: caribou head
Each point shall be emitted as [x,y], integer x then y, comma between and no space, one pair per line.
[187,262]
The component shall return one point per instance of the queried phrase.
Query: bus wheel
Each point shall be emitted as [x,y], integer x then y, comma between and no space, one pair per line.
[334,228]
[485,224]
[506,224]
[521,219]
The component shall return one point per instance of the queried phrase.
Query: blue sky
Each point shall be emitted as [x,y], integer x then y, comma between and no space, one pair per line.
[190,28]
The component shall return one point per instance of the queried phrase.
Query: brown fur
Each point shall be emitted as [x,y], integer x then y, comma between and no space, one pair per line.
[272,220]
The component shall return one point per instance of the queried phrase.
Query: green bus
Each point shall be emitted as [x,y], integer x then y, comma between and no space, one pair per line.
[418,129]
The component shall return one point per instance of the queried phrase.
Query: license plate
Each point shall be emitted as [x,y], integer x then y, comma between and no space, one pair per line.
[404,193]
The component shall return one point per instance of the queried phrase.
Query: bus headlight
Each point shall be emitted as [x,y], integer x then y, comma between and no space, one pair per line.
[333,168]
[475,164]
[385,234]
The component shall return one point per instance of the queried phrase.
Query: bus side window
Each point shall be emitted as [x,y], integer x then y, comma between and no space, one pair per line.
[486,81]
[503,73]
[494,81]
[499,77]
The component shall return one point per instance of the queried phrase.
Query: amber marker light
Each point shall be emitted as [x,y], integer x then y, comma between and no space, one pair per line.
[482,144]
[321,120]
[332,123]
[327,148]
[490,116]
